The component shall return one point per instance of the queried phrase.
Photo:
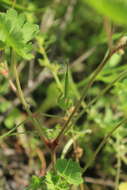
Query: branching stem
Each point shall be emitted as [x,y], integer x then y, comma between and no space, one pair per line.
[103,142]
[85,91]
[22,99]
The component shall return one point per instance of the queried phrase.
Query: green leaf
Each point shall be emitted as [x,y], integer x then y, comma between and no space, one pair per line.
[65,100]
[116,10]
[12,118]
[69,170]
[35,183]
[52,133]
[16,33]
[55,182]
[51,181]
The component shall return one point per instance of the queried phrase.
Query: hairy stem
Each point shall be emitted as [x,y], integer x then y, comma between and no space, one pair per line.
[53,157]
[22,99]
[118,164]
[119,77]
[103,142]
[48,65]
[85,91]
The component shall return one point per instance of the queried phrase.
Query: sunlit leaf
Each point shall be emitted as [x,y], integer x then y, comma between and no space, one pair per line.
[16,33]
[69,170]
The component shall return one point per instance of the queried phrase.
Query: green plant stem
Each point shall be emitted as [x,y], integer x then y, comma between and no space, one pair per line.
[22,99]
[53,156]
[118,173]
[119,77]
[57,81]
[103,142]
[12,130]
[82,187]
[48,64]
[107,72]
[85,91]
[118,165]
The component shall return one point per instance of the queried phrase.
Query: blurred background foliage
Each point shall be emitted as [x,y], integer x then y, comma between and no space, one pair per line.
[73,33]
